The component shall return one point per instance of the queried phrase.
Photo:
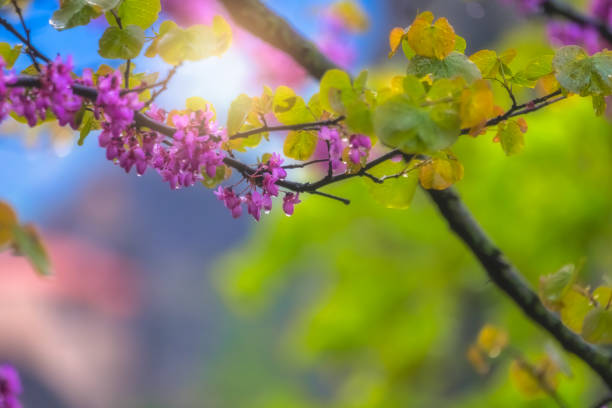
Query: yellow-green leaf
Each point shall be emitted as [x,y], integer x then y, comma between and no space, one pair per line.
[301,144]
[27,243]
[553,287]
[511,137]
[10,54]
[289,108]
[397,192]
[8,220]
[237,114]
[597,326]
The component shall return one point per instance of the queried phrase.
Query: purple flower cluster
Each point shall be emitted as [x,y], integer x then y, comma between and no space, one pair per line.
[332,137]
[10,387]
[54,94]
[196,145]
[194,153]
[265,177]
[359,148]
[569,33]
[195,148]
[5,80]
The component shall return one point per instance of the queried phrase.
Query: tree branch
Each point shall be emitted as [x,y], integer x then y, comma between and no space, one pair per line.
[508,279]
[502,273]
[267,25]
[556,8]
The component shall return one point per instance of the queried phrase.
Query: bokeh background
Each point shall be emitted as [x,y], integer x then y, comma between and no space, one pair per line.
[161,299]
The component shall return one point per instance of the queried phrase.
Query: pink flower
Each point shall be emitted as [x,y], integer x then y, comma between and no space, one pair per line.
[289,200]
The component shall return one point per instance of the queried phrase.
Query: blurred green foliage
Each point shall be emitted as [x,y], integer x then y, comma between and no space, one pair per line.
[362,306]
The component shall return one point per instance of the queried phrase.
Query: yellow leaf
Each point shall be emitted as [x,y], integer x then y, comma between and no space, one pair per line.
[492,340]
[395,40]
[8,219]
[300,145]
[549,83]
[507,56]
[487,62]
[431,40]
[441,172]
[196,103]
[477,360]
[351,15]
[534,380]
[290,108]
[476,104]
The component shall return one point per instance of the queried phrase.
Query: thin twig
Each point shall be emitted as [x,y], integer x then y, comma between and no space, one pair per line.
[27,32]
[164,84]
[24,40]
[299,126]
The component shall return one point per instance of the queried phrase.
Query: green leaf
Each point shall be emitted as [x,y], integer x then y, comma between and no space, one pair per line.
[197,42]
[394,193]
[511,137]
[460,44]
[553,287]
[414,129]
[597,326]
[103,5]
[237,114]
[301,144]
[86,126]
[290,108]
[73,13]
[333,85]
[27,242]
[10,54]
[142,13]
[575,308]
[535,70]
[581,74]
[119,43]
[222,173]
[455,64]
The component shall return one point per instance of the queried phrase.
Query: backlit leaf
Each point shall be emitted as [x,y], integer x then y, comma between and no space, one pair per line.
[395,40]
[301,144]
[142,13]
[396,193]
[435,40]
[237,114]
[10,54]
[290,108]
